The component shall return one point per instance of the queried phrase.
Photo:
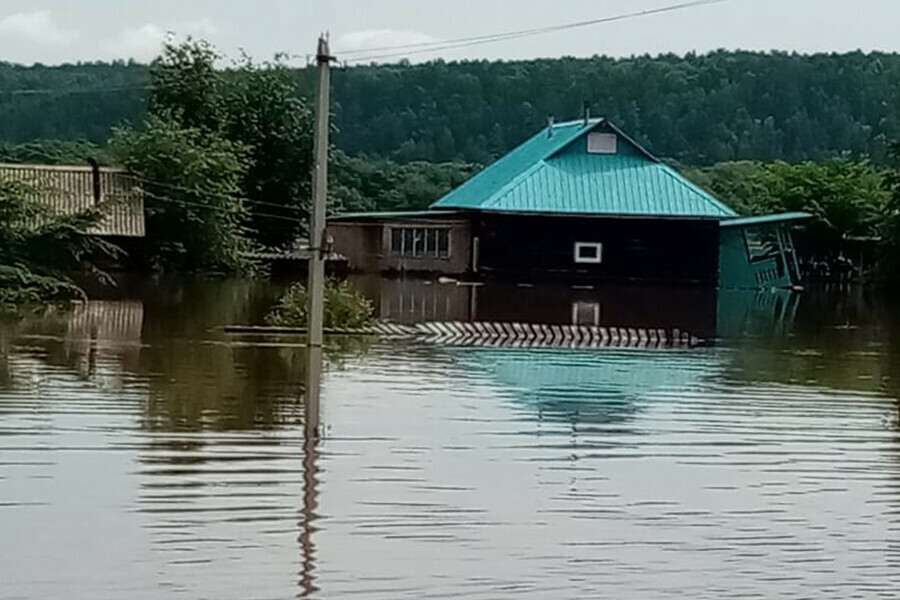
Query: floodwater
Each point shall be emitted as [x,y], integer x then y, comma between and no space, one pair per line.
[144,453]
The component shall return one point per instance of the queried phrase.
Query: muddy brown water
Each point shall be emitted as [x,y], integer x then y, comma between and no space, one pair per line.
[146,454]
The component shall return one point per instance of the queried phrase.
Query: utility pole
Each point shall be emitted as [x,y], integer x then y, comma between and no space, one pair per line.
[317,243]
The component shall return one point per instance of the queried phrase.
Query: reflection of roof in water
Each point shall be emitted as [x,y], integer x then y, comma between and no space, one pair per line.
[594,386]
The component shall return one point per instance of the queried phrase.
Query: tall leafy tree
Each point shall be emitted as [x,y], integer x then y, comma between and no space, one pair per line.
[191,178]
[256,106]
[266,114]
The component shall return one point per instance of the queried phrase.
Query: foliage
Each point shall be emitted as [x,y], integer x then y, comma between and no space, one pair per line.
[185,84]
[847,198]
[266,114]
[191,180]
[54,152]
[38,249]
[345,308]
[698,109]
[257,107]
[890,246]
[360,185]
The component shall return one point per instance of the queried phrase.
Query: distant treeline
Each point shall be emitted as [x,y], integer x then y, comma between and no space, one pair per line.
[696,109]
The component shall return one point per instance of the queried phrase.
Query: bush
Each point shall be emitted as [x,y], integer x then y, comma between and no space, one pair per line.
[39,250]
[345,308]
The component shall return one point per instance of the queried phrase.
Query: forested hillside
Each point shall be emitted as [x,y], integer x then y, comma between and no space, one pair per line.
[698,109]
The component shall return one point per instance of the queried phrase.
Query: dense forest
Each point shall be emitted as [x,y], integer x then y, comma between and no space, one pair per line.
[696,109]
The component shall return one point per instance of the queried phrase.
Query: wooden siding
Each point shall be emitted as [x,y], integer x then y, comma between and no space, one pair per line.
[636,250]
[70,189]
[367,246]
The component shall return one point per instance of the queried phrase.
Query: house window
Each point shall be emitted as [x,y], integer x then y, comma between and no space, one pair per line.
[588,253]
[420,242]
[602,143]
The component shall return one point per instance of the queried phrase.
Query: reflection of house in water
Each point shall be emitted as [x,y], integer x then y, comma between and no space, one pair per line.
[588,387]
[110,328]
[705,313]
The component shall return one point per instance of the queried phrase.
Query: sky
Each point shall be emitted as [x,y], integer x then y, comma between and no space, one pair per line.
[59,31]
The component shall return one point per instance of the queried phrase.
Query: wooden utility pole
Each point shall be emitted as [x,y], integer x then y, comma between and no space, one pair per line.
[317,243]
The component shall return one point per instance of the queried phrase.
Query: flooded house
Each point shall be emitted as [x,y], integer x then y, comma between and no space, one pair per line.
[580,201]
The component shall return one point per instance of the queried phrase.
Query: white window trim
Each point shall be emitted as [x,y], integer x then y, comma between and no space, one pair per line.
[581,260]
[388,242]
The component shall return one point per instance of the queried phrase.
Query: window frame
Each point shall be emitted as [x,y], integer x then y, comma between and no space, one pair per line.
[420,242]
[595,260]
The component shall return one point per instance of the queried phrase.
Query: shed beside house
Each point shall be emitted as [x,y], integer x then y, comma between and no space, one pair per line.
[580,201]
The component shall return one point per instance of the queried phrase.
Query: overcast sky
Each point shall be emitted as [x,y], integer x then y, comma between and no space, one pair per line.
[55,31]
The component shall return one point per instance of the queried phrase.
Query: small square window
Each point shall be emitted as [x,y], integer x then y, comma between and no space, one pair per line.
[588,253]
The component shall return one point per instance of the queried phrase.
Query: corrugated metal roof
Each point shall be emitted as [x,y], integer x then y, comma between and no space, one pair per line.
[766,219]
[556,174]
[69,190]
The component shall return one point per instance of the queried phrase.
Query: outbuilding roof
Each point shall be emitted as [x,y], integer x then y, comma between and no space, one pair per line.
[767,219]
[571,172]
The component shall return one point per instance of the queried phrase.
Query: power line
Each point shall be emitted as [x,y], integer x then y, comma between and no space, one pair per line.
[210,193]
[427,47]
[218,208]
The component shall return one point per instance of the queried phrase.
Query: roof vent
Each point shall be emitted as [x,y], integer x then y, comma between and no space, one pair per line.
[602,143]
[550,122]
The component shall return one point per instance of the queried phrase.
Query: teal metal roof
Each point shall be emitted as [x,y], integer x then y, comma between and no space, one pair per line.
[766,219]
[557,175]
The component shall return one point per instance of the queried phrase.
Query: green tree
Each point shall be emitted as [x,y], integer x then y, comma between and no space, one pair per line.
[698,109]
[54,152]
[890,244]
[39,250]
[192,182]
[257,107]
[185,85]
[266,114]
[361,185]
[846,198]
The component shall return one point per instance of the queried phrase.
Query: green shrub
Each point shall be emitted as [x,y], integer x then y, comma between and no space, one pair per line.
[39,250]
[345,308]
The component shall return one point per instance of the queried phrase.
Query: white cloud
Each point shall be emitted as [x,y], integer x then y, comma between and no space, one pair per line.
[144,43]
[37,27]
[380,38]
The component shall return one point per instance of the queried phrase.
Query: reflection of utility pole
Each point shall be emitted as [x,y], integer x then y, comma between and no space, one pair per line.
[311,438]
[317,250]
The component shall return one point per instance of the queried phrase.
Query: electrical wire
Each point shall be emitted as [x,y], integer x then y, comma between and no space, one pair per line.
[437,46]
[180,188]
[217,208]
